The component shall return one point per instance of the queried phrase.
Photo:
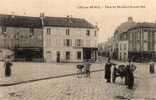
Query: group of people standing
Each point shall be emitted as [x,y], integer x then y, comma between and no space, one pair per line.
[129,76]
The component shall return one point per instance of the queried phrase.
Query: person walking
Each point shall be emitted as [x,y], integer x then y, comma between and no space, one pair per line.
[8,65]
[129,79]
[108,71]
[87,68]
[151,67]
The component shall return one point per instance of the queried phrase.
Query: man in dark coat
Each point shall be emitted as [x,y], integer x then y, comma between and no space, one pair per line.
[108,71]
[151,68]
[129,79]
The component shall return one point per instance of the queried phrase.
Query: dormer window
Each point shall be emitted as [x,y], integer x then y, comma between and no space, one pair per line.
[88,33]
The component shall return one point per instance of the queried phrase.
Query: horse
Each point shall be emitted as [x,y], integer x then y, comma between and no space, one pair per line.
[120,71]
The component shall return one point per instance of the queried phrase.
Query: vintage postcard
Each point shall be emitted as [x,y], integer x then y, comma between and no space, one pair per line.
[77,50]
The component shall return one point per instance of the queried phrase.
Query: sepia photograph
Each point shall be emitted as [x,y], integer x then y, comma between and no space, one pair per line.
[77,50]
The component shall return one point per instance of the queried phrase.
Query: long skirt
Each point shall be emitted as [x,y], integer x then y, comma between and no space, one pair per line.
[152,69]
[7,71]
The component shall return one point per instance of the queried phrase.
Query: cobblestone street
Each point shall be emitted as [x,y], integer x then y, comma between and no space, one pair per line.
[69,88]
[74,88]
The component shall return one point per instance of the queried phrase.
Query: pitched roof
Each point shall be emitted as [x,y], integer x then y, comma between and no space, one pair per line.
[124,27]
[35,22]
[20,21]
[67,22]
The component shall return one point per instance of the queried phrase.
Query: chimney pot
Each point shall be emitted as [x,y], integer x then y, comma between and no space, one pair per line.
[130,19]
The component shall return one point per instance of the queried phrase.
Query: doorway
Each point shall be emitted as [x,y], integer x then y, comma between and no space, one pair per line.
[86,53]
[58,57]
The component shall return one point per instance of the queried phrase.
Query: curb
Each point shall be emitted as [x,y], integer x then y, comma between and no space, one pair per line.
[47,78]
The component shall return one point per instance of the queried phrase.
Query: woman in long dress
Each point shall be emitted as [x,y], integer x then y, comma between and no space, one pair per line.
[8,65]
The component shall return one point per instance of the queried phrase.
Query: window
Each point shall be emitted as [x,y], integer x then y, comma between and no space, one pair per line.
[145,46]
[78,42]
[120,47]
[48,31]
[145,36]
[3,29]
[67,32]
[68,42]
[79,55]
[125,46]
[88,33]
[67,55]
[130,36]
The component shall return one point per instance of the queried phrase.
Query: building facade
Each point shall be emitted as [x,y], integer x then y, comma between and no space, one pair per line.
[23,35]
[49,39]
[141,39]
[73,40]
[123,50]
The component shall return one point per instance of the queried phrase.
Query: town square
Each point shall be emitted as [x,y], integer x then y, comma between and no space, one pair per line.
[77,50]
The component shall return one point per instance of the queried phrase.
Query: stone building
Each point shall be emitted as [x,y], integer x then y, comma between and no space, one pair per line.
[140,39]
[123,27]
[49,39]
[23,35]
[68,39]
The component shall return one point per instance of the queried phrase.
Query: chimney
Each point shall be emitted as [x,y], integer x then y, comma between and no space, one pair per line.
[12,14]
[42,18]
[42,15]
[130,19]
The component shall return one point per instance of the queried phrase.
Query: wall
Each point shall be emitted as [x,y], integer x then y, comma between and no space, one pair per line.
[20,37]
[123,50]
[55,42]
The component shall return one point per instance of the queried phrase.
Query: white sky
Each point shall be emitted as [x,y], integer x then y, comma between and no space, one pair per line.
[107,18]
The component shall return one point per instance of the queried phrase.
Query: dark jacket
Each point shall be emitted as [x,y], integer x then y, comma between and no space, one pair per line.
[108,70]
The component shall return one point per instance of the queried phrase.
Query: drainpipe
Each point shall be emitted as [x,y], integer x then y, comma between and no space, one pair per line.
[42,16]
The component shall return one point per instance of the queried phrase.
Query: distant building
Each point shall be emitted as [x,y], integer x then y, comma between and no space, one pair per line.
[106,49]
[123,50]
[23,35]
[49,39]
[123,27]
[141,40]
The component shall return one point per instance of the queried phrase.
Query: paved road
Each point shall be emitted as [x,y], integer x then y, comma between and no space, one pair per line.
[146,89]
[68,88]
[94,88]
[24,71]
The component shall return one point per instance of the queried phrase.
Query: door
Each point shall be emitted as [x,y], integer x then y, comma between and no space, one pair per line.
[87,53]
[58,56]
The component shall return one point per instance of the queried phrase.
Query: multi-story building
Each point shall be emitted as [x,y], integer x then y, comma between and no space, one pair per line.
[123,27]
[23,35]
[69,39]
[106,49]
[123,50]
[140,39]
[52,39]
